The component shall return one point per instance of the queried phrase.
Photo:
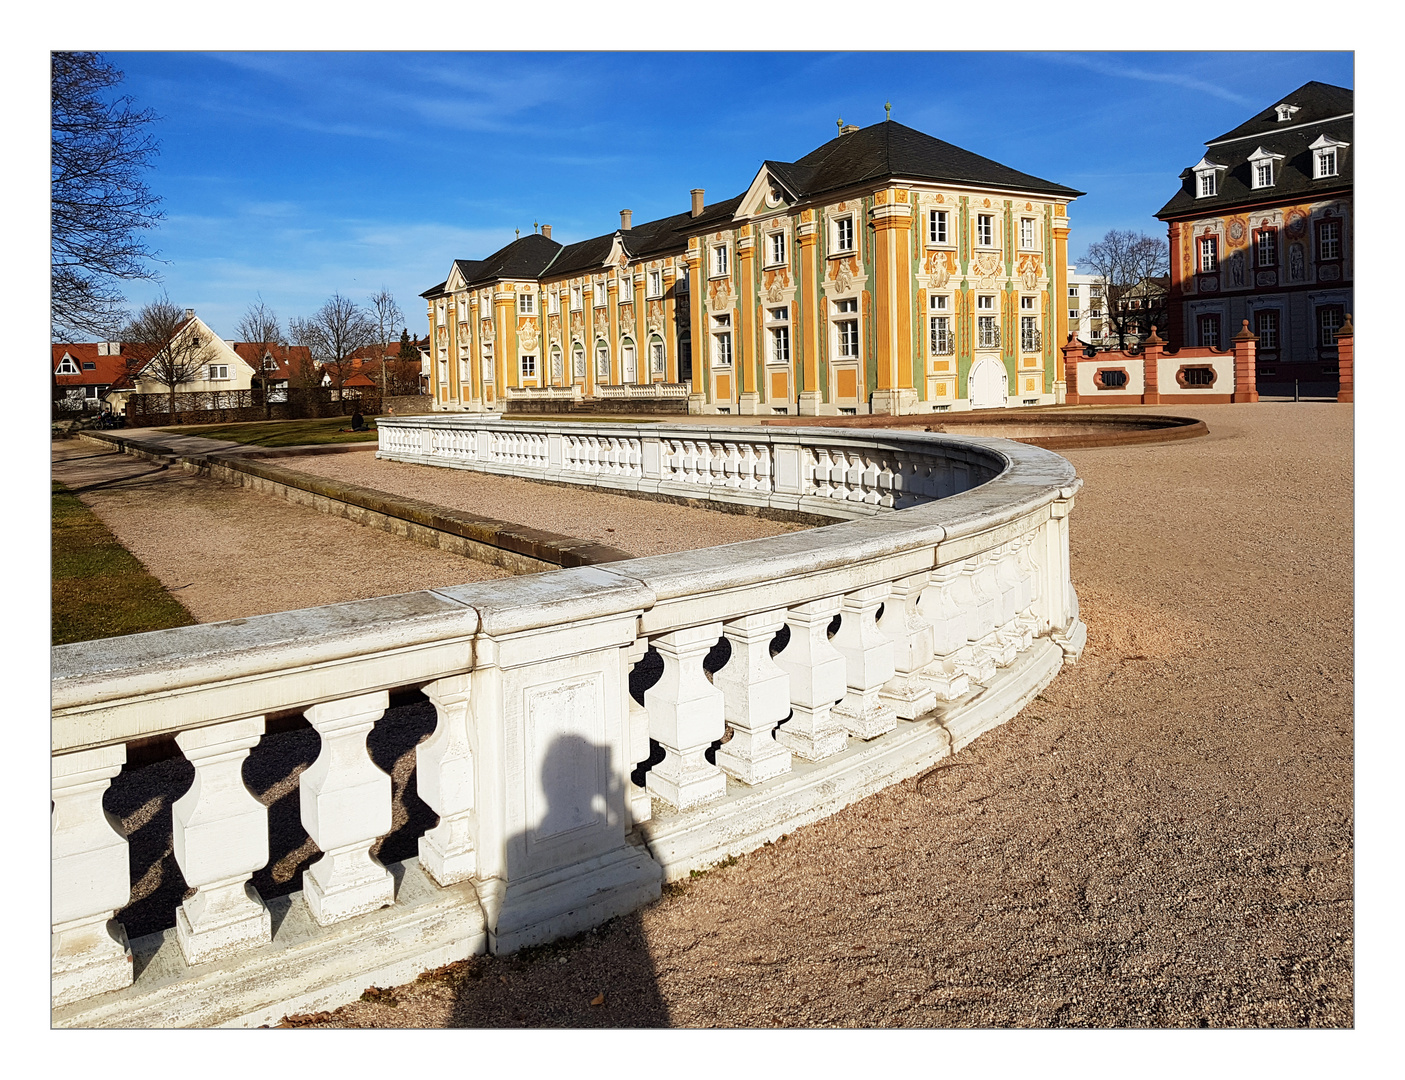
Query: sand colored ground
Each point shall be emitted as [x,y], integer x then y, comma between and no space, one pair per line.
[1164,838]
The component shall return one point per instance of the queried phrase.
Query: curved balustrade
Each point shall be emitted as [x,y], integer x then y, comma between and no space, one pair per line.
[757,685]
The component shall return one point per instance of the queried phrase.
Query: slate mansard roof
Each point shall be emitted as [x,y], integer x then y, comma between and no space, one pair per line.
[880,151]
[1321,109]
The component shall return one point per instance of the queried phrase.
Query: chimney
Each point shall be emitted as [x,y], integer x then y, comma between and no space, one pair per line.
[546,231]
[847,128]
[626,216]
[697,201]
[190,313]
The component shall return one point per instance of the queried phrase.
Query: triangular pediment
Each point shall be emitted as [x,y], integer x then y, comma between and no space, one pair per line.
[455,281]
[767,194]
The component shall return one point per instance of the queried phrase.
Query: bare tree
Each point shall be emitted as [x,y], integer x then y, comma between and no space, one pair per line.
[333,333]
[260,327]
[385,313]
[1134,268]
[168,346]
[99,205]
[302,370]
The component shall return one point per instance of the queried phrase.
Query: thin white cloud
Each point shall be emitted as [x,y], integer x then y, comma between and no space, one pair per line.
[1123,71]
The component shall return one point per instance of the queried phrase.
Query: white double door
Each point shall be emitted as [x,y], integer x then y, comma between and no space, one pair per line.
[988,382]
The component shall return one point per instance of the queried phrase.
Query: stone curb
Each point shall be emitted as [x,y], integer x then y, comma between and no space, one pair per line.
[514,547]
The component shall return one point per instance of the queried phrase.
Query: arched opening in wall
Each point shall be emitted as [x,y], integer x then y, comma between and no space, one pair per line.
[1200,376]
[1111,378]
[628,363]
[602,362]
[658,368]
[988,384]
[578,361]
[558,373]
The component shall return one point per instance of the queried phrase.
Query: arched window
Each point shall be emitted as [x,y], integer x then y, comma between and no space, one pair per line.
[557,372]
[628,365]
[578,361]
[602,361]
[657,362]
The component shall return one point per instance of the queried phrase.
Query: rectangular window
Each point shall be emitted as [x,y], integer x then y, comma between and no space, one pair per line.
[1266,326]
[1266,247]
[1026,232]
[1207,183]
[656,358]
[985,230]
[985,303]
[601,294]
[578,362]
[987,333]
[936,227]
[602,362]
[526,303]
[1209,331]
[847,330]
[1326,164]
[940,326]
[529,367]
[1027,303]
[576,297]
[937,303]
[1263,174]
[219,372]
[1329,240]
[1329,321]
[775,249]
[719,260]
[780,344]
[1209,254]
[722,341]
[487,366]
[553,303]
[655,282]
[844,234]
[1029,334]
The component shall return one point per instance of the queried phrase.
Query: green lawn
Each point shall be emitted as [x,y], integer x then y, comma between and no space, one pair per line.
[282,432]
[99,588]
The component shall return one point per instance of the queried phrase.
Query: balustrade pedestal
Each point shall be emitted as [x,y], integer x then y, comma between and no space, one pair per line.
[868,659]
[686,718]
[345,802]
[220,834]
[907,692]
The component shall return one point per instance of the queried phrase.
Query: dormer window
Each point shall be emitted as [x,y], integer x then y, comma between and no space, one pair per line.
[1263,167]
[1207,178]
[1285,111]
[66,366]
[1326,156]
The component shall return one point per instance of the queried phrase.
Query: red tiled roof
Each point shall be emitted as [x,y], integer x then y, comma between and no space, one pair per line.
[252,353]
[106,370]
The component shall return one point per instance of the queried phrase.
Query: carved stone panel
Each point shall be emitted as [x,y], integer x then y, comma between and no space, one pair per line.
[565,723]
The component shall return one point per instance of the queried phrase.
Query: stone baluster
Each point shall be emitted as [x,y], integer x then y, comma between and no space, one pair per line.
[690,462]
[641,804]
[817,682]
[89,878]
[907,692]
[854,477]
[764,469]
[748,467]
[717,464]
[954,662]
[1029,580]
[1014,598]
[985,582]
[219,831]
[821,472]
[345,801]
[868,660]
[686,718]
[734,466]
[444,775]
[871,481]
[756,697]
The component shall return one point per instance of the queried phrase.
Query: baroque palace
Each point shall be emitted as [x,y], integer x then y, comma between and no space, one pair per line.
[886,272]
[1261,230]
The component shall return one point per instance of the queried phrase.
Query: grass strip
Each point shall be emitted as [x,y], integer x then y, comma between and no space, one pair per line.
[99,588]
[282,432]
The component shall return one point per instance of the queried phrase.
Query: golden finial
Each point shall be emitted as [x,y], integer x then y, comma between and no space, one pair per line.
[888,108]
[840,125]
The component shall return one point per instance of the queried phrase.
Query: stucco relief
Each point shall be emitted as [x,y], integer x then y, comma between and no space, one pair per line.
[1030,267]
[843,279]
[653,317]
[1236,268]
[719,294]
[986,266]
[528,336]
[577,324]
[1237,230]
[1296,222]
[939,266]
[553,328]
[1295,262]
[486,332]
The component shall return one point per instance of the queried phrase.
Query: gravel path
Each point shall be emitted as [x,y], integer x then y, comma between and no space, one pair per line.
[638,526]
[1164,838]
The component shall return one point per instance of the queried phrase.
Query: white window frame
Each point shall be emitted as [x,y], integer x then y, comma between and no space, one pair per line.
[985,302]
[1204,320]
[722,357]
[938,227]
[1027,234]
[600,294]
[1335,240]
[1266,243]
[527,366]
[778,335]
[1029,303]
[842,230]
[553,302]
[987,332]
[217,373]
[67,366]
[940,340]
[527,303]
[1324,163]
[658,357]
[485,365]
[577,298]
[578,361]
[775,249]
[655,286]
[985,230]
[1207,254]
[1263,174]
[1270,343]
[602,360]
[719,261]
[938,302]
[845,320]
[1029,333]
[1207,183]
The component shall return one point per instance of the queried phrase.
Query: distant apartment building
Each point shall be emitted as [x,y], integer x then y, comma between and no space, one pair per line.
[1086,302]
[1261,230]
[885,272]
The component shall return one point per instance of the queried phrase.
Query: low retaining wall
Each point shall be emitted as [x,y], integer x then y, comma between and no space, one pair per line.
[1151,375]
[600,729]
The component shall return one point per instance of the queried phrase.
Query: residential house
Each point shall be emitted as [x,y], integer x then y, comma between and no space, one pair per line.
[886,271]
[1261,230]
[85,372]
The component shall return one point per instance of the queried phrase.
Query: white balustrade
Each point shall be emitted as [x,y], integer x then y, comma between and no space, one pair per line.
[818,676]
[220,834]
[89,879]
[540,829]
[444,774]
[868,664]
[756,697]
[345,800]
[686,716]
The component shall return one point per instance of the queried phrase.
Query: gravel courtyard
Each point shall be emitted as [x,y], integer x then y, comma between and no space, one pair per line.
[1164,838]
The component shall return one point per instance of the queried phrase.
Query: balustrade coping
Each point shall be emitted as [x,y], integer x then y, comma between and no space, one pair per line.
[119,689]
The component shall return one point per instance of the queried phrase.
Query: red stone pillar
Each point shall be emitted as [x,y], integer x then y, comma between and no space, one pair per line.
[1346,348]
[1151,356]
[1072,353]
[1245,375]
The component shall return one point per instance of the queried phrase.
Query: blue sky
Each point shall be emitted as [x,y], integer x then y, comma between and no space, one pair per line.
[291,175]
